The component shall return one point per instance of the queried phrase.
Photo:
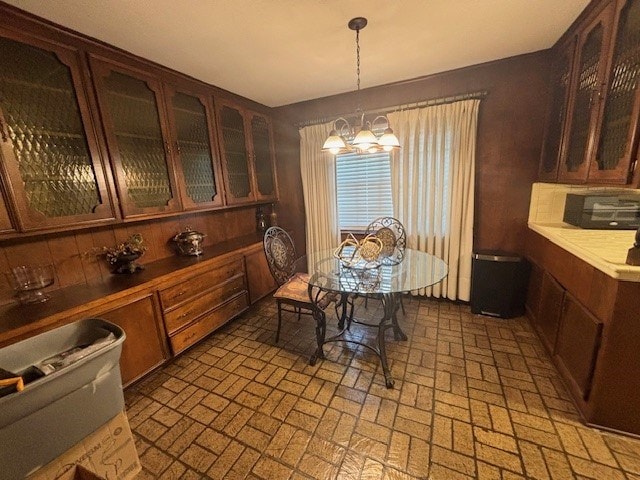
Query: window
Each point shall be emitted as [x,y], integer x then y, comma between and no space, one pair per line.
[363,189]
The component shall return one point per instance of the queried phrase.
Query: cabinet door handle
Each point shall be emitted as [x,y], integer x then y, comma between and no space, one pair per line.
[601,92]
[3,132]
[167,145]
[177,147]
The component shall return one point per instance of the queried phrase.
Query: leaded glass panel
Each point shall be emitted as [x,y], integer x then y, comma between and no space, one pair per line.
[45,127]
[262,151]
[194,147]
[621,89]
[235,150]
[587,88]
[135,117]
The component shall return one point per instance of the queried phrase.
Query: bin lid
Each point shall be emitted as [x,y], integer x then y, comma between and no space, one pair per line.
[497,256]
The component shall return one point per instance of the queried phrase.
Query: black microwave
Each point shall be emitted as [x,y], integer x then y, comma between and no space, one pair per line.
[620,210]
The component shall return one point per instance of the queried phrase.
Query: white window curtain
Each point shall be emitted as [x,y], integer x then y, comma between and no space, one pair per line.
[433,187]
[318,170]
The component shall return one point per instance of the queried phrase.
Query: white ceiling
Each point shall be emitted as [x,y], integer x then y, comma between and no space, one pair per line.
[278,52]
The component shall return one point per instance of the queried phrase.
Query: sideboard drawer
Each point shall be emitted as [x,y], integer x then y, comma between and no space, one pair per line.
[194,286]
[185,312]
[208,322]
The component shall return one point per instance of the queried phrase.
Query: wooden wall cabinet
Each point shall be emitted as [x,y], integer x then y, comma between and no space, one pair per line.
[248,159]
[51,162]
[132,112]
[90,135]
[259,277]
[592,128]
[6,225]
[144,349]
[194,144]
[616,134]
[586,94]
[263,154]
[549,309]
[194,305]
[557,113]
[578,343]
[162,138]
[569,332]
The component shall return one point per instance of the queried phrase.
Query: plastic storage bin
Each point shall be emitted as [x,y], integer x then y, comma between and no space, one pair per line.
[499,284]
[55,412]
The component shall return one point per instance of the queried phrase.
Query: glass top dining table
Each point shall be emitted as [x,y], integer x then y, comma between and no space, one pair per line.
[405,271]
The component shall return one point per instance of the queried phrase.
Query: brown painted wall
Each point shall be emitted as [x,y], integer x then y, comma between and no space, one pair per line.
[510,128]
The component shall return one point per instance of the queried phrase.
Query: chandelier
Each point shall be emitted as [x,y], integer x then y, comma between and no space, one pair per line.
[366,136]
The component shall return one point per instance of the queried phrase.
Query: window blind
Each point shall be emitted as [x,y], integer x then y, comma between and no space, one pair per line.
[363,189]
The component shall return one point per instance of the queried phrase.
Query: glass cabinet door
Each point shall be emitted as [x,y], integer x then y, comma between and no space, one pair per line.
[560,81]
[263,158]
[235,154]
[6,225]
[131,111]
[49,151]
[190,117]
[619,126]
[587,84]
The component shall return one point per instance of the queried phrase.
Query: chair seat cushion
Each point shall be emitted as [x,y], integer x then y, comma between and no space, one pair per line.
[297,289]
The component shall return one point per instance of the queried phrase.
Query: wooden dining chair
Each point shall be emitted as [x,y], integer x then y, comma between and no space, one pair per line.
[292,294]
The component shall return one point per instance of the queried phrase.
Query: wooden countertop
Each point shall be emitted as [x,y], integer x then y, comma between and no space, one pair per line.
[605,250]
[17,321]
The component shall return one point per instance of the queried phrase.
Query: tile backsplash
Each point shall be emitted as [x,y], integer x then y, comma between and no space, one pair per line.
[547,200]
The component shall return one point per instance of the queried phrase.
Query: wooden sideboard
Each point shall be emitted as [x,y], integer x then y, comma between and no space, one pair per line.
[589,323]
[164,309]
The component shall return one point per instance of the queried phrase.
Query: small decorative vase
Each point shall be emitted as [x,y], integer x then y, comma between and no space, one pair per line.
[126,264]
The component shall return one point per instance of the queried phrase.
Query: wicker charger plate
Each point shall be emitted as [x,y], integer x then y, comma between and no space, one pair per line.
[388,239]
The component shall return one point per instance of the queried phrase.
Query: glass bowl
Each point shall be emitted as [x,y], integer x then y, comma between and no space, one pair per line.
[29,281]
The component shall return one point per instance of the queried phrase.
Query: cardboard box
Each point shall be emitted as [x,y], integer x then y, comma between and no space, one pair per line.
[108,453]
[80,473]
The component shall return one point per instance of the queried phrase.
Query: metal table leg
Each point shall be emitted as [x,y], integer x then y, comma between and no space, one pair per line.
[389,320]
[390,302]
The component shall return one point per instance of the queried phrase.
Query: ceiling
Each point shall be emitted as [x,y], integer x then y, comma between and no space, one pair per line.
[278,52]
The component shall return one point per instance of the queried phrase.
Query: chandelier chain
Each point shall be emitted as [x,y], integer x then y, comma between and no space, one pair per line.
[358,56]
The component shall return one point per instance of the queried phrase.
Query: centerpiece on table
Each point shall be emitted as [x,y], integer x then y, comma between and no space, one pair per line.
[123,257]
[363,254]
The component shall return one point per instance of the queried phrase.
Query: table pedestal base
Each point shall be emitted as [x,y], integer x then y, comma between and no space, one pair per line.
[390,303]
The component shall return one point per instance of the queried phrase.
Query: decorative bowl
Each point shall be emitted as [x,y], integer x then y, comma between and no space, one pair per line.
[29,281]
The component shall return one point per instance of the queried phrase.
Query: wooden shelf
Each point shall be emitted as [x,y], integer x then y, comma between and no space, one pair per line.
[131,97]
[37,86]
[140,137]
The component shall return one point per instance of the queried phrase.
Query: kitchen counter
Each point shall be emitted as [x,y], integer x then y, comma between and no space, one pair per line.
[605,250]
